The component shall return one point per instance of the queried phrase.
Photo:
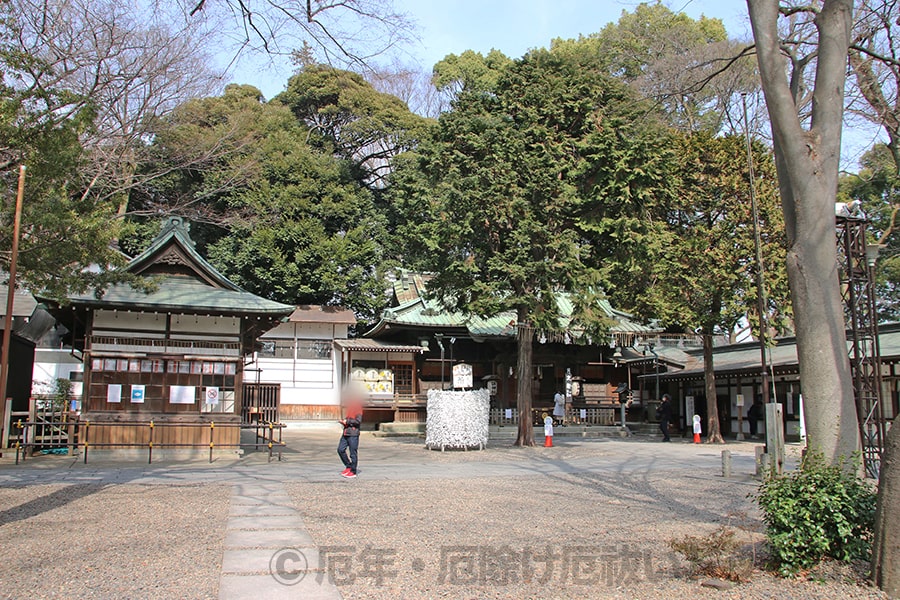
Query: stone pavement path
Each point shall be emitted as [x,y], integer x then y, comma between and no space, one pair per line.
[268,552]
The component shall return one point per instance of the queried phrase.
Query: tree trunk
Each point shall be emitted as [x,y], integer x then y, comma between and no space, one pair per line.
[714,431]
[886,547]
[524,342]
[807,164]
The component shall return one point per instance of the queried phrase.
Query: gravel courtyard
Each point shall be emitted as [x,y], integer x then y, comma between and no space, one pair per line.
[586,519]
[579,534]
[112,541]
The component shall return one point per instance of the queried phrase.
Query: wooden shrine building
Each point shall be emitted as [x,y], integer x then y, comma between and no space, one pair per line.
[173,354]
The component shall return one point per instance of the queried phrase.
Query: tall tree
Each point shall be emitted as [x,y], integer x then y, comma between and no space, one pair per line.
[288,221]
[807,158]
[507,177]
[347,116]
[689,66]
[73,105]
[700,269]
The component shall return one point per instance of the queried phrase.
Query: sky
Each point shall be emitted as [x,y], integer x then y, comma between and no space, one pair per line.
[514,27]
[511,26]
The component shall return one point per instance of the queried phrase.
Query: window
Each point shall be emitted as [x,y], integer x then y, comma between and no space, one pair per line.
[314,349]
[403,378]
[224,405]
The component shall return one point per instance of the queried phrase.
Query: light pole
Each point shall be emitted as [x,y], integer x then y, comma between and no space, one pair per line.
[10,305]
[650,349]
[760,280]
[440,342]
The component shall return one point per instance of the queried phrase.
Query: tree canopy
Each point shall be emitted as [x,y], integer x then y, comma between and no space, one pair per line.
[505,181]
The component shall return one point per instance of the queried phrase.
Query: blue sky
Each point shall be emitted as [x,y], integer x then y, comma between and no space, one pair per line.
[514,27]
[511,26]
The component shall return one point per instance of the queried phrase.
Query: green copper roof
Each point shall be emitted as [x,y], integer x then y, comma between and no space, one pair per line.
[186,282]
[419,312]
[179,293]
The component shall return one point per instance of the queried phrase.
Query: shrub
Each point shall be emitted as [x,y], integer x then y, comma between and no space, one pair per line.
[714,555]
[816,512]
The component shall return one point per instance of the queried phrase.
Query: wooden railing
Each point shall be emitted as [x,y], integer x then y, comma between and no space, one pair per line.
[509,417]
[162,346]
[145,431]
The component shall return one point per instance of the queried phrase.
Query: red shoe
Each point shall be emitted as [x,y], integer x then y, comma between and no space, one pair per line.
[345,471]
[349,474]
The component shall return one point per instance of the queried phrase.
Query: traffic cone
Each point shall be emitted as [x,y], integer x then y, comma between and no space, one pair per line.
[696,438]
[548,441]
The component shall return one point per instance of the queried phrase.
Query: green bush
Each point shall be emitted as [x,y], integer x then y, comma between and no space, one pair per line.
[816,512]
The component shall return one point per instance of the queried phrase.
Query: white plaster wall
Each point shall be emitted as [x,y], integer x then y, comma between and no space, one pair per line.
[52,364]
[110,319]
[303,381]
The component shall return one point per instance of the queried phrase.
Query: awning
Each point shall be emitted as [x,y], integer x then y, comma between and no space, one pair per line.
[370,345]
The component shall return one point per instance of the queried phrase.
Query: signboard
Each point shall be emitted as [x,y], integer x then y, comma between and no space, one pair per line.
[492,387]
[739,400]
[182,394]
[462,376]
[212,395]
[688,408]
[137,394]
[508,413]
[114,393]
[374,381]
[582,413]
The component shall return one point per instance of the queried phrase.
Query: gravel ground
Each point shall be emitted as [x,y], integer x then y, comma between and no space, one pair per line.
[119,541]
[578,535]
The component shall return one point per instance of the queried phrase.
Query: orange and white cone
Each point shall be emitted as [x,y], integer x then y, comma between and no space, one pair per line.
[548,441]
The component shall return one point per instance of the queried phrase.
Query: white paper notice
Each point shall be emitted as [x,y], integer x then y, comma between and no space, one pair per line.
[182,394]
[137,394]
[114,393]
[509,413]
[212,395]
[583,413]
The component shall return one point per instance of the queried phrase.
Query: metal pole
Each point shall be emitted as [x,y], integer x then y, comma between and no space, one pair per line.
[760,280]
[440,340]
[10,302]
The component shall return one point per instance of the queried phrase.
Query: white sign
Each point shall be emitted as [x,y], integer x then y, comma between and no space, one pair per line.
[137,394]
[114,393]
[182,394]
[789,402]
[688,406]
[508,413]
[462,376]
[739,400]
[212,395]
[583,413]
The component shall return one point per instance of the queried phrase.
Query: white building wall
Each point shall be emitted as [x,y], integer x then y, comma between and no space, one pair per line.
[53,364]
[303,380]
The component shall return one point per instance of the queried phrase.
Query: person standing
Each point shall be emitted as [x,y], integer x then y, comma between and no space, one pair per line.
[754,414]
[664,414]
[350,438]
[559,407]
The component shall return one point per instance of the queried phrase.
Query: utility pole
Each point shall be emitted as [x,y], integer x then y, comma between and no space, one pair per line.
[760,275]
[10,303]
